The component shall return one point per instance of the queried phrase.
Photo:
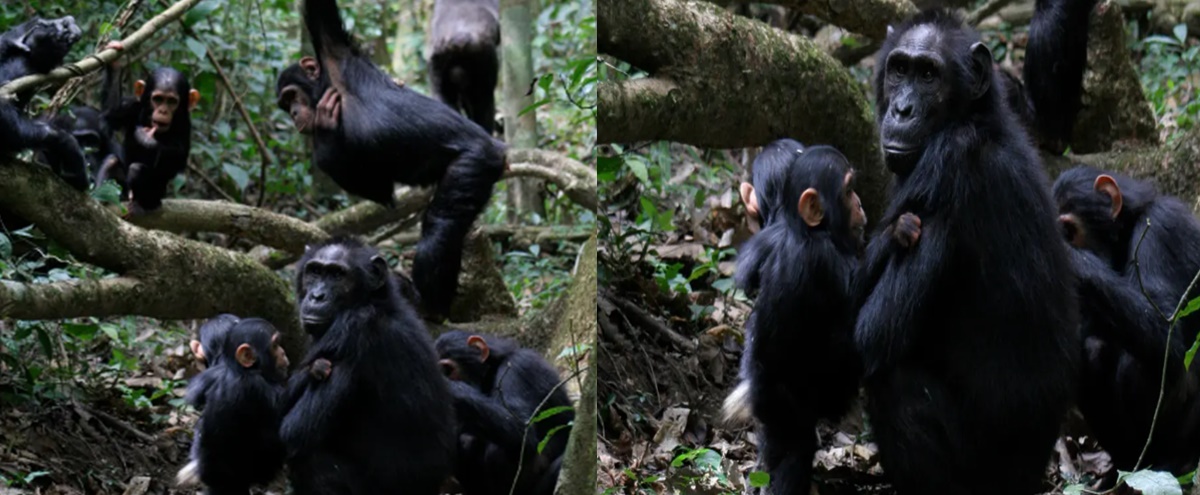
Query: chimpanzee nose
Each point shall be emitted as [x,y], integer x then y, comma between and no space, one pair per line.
[317,296]
[904,109]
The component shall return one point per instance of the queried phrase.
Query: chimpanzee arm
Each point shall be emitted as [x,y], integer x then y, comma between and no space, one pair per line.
[197,391]
[312,407]
[894,303]
[501,423]
[1124,313]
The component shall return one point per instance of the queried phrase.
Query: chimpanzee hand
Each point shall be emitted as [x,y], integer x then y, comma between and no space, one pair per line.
[145,136]
[907,230]
[320,369]
[329,110]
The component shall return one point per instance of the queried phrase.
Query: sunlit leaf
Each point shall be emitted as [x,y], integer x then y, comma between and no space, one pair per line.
[239,175]
[759,479]
[198,49]
[638,167]
[5,246]
[201,11]
[1153,482]
[550,434]
[1181,31]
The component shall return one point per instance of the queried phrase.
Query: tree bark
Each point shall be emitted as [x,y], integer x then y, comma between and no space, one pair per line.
[161,275]
[575,328]
[718,80]
[516,76]
[868,17]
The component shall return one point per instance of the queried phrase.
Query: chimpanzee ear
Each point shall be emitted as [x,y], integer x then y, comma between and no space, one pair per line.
[379,272]
[139,87]
[245,356]
[749,199]
[1108,185]
[478,343]
[193,99]
[311,67]
[449,369]
[198,350]
[981,69]
[810,207]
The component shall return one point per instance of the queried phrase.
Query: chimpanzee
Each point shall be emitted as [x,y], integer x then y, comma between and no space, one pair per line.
[370,133]
[1055,59]
[90,129]
[969,339]
[37,46]
[157,123]
[1125,302]
[498,387]
[802,263]
[381,420]
[236,442]
[464,66]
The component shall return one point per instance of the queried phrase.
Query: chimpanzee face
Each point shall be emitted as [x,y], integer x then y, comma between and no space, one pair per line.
[295,101]
[43,42]
[334,279]
[858,217]
[166,91]
[1088,206]
[921,92]
[280,357]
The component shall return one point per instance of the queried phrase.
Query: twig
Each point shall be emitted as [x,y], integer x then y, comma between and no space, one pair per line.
[645,320]
[986,10]
[237,102]
[211,183]
[1137,270]
[71,88]
[94,62]
[121,424]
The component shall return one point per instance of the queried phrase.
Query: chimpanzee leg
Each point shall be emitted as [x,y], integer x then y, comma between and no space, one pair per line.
[461,196]
[910,424]
[147,186]
[442,82]
[787,440]
[480,99]
[111,169]
[62,151]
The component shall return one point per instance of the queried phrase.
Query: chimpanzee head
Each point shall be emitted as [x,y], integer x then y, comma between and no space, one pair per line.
[250,344]
[763,195]
[338,275]
[211,338]
[821,186]
[43,43]
[471,358]
[1096,207]
[296,91]
[163,105]
[928,74]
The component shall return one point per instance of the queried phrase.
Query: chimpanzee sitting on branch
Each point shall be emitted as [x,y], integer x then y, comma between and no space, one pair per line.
[498,387]
[370,133]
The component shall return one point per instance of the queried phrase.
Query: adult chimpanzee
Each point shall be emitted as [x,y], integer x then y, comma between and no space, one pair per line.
[157,123]
[381,421]
[1125,301]
[802,263]
[463,67]
[389,133]
[1055,58]
[498,387]
[35,47]
[236,442]
[970,338]
[95,137]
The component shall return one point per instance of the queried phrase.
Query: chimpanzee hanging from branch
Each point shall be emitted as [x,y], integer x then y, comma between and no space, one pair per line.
[369,133]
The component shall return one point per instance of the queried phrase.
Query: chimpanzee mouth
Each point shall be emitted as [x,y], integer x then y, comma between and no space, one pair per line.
[899,149]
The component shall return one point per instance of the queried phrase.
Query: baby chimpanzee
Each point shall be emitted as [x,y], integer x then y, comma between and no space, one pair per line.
[236,443]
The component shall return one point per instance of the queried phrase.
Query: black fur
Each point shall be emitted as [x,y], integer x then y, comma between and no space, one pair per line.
[801,363]
[494,401]
[390,134]
[382,422]
[970,340]
[1055,59]
[464,65]
[149,167]
[1124,328]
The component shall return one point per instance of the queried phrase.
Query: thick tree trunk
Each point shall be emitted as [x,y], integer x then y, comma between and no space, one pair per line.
[868,17]
[576,329]
[516,76]
[161,275]
[719,80]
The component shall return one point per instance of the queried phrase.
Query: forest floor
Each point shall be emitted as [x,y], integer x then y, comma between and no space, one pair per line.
[670,345]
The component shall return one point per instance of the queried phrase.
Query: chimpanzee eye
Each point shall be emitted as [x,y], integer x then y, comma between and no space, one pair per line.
[927,75]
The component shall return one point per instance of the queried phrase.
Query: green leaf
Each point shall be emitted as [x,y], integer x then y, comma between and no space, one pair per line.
[196,47]
[5,247]
[239,175]
[82,331]
[201,11]
[1181,33]
[112,331]
[44,341]
[573,351]
[545,81]
[1160,40]
[551,412]
[1191,307]
[759,479]
[108,193]
[637,166]
[1191,354]
[723,285]
[607,168]
[1074,489]
[35,475]
[1153,483]
[542,444]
